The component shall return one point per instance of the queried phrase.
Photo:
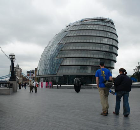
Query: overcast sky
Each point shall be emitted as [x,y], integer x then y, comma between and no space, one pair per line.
[26,27]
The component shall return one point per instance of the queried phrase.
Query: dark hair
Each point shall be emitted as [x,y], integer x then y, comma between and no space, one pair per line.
[123,71]
[101,63]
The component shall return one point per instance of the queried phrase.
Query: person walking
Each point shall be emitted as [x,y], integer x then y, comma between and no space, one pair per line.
[31,87]
[103,90]
[122,88]
[19,85]
[22,85]
[50,84]
[25,85]
[35,87]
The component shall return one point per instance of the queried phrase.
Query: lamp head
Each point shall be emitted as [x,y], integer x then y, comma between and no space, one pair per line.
[12,56]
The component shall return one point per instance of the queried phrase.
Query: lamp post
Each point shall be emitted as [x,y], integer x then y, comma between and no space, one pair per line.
[134,71]
[12,58]
[138,69]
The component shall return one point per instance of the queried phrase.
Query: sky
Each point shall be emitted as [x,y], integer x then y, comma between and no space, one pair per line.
[27,26]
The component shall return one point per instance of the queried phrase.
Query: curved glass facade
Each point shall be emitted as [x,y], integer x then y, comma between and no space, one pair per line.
[79,48]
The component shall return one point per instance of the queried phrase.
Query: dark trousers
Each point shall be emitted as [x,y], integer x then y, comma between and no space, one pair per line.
[126,108]
[31,88]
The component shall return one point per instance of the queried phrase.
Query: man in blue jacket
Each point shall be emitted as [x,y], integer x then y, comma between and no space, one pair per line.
[103,90]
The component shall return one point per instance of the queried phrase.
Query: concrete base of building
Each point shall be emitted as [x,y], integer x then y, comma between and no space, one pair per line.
[6,91]
[88,86]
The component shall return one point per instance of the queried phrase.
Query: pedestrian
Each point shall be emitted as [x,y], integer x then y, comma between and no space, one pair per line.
[37,84]
[103,90]
[31,87]
[50,84]
[122,88]
[35,87]
[19,85]
[25,85]
[22,85]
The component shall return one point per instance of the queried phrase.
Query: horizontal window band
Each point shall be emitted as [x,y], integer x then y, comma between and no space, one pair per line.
[91,43]
[95,30]
[91,36]
[89,50]
[87,65]
[107,25]
[93,25]
[116,46]
[88,43]
[91,57]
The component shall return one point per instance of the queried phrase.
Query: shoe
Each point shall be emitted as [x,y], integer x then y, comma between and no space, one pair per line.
[115,113]
[104,113]
[126,115]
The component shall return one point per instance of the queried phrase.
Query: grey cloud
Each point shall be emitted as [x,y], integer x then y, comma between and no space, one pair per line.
[127,7]
[5,65]
[27,58]
[4,59]
[20,21]
[60,3]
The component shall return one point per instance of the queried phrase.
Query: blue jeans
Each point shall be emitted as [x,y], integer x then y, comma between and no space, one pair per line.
[126,108]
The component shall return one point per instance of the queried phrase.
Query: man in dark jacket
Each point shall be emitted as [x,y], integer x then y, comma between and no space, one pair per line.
[122,88]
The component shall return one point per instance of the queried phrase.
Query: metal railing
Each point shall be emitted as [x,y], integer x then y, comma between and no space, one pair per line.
[5,84]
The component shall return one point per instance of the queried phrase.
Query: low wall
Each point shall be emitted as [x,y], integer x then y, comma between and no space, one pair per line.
[6,91]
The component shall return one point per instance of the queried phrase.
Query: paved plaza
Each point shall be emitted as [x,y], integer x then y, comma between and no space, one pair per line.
[64,109]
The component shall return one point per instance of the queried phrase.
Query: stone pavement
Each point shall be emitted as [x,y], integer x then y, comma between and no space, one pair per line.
[64,109]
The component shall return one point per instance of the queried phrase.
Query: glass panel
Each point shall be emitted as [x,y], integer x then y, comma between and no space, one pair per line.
[98,27]
[48,64]
[89,46]
[88,39]
[75,70]
[92,33]
[93,54]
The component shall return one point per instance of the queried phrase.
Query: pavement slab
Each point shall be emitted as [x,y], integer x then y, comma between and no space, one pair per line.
[64,109]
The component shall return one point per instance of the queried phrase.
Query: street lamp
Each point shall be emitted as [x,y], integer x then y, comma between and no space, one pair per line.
[12,58]
[138,69]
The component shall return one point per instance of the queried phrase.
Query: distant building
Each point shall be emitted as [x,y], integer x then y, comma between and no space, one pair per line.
[18,73]
[77,51]
[30,73]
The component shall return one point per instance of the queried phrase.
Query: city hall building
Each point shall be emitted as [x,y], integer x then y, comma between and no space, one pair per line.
[77,50]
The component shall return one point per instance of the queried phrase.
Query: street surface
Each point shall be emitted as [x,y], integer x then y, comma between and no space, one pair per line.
[64,109]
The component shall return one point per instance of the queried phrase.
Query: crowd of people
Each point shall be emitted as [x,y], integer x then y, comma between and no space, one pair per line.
[34,85]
